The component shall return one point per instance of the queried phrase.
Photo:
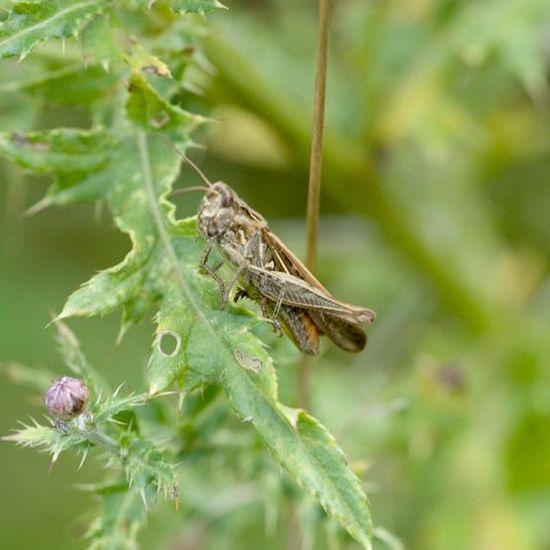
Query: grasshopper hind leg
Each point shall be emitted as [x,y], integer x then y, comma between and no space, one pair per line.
[301,329]
[267,313]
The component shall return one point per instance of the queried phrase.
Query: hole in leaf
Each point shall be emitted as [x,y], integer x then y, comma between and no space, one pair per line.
[169,343]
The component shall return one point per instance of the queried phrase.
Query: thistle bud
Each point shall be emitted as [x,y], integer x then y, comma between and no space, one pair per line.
[66,397]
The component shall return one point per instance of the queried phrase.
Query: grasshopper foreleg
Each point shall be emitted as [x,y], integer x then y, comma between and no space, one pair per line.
[212,272]
[253,249]
[232,283]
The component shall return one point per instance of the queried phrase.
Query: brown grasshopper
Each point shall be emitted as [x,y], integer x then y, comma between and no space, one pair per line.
[288,293]
[272,275]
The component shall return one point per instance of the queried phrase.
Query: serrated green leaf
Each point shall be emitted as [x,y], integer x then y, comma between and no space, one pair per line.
[164,368]
[144,62]
[32,22]
[50,439]
[131,170]
[185,6]
[306,450]
[216,346]
[116,286]
[147,108]
[196,6]
[61,152]
[148,466]
[113,405]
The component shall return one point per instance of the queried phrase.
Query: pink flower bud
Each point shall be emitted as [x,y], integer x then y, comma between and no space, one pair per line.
[66,397]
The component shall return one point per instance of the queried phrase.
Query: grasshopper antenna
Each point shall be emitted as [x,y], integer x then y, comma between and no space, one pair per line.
[188,161]
[188,189]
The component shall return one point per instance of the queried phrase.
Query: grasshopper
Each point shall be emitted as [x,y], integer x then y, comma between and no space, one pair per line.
[270,274]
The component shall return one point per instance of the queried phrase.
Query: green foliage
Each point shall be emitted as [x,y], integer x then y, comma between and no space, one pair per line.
[434,211]
[122,162]
[111,426]
[196,6]
[30,23]
[123,513]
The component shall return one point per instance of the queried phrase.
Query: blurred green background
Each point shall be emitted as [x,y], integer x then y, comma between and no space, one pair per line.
[435,212]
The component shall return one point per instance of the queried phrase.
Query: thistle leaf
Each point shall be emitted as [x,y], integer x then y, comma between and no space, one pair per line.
[125,165]
[216,347]
[32,22]
[185,6]
[106,410]
[61,152]
[148,109]
[196,6]
[47,438]
[122,514]
[305,448]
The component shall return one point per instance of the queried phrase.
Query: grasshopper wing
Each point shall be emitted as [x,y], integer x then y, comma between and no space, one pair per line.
[292,291]
[345,331]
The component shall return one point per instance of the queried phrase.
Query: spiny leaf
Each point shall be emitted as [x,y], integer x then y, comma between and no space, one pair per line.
[107,409]
[212,343]
[31,22]
[196,6]
[62,151]
[147,108]
[147,466]
[304,447]
[143,62]
[133,172]
[123,512]
[185,6]
[48,438]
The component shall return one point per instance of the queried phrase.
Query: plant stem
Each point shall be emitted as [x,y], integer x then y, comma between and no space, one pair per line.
[315,165]
[315,160]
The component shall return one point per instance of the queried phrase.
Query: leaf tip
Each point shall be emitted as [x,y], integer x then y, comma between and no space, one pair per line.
[56,319]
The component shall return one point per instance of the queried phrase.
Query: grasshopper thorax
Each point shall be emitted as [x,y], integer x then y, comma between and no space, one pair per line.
[217,210]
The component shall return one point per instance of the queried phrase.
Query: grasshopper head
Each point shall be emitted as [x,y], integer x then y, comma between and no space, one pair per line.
[217,210]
